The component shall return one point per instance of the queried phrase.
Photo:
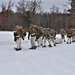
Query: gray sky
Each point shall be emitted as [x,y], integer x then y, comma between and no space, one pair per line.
[58,3]
[47,4]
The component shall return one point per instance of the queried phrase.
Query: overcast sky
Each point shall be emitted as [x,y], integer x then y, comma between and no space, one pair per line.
[47,4]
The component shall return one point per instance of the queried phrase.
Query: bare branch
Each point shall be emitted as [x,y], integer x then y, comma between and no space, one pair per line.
[3,6]
[10,5]
[22,6]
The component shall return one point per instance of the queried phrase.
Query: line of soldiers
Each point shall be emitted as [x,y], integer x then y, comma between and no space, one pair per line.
[40,35]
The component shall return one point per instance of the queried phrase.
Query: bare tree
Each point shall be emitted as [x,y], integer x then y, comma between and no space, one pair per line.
[3,6]
[7,14]
[22,6]
[7,6]
[54,9]
[35,6]
[54,13]
[10,5]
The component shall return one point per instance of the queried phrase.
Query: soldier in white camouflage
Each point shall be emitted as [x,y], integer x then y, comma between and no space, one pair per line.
[63,33]
[39,37]
[18,35]
[45,36]
[32,33]
[52,35]
[69,36]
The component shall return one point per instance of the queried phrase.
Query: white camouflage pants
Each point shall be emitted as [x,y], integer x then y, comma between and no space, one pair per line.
[73,38]
[40,41]
[68,40]
[18,43]
[51,41]
[33,43]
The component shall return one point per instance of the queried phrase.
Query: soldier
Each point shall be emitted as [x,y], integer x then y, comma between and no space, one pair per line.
[63,33]
[18,35]
[48,35]
[73,35]
[45,35]
[52,35]
[39,37]
[32,33]
[69,35]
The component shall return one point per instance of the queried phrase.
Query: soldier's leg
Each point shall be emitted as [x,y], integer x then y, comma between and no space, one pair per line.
[18,43]
[33,43]
[68,40]
[41,40]
[50,42]
[53,42]
[38,42]
[63,38]
[44,42]
[73,39]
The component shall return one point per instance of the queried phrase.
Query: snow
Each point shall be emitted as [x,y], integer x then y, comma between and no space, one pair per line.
[57,60]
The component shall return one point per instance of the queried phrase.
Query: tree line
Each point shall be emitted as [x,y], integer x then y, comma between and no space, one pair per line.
[31,12]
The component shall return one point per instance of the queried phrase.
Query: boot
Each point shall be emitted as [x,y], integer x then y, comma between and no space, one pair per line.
[31,48]
[67,42]
[70,42]
[34,47]
[64,41]
[50,45]
[17,49]
[54,44]
[44,46]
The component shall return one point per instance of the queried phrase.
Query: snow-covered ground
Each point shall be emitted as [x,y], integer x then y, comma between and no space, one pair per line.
[59,60]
